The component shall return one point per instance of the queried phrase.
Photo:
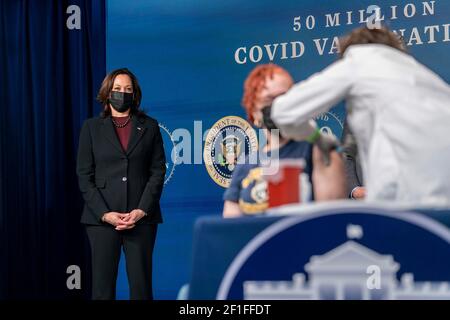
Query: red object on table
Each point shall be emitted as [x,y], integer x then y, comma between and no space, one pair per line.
[284,186]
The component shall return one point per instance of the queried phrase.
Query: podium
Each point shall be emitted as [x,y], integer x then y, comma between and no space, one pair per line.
[413,245]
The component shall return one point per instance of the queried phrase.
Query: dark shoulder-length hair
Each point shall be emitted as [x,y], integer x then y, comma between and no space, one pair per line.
[107,86]
[365,35]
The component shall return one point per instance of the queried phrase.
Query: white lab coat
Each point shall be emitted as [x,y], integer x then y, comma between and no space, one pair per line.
[399,112]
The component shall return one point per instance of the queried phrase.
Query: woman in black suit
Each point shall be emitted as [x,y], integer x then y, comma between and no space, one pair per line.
[121,168]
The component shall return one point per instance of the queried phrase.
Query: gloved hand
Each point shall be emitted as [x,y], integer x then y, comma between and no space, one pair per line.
[326,143]
[267,120]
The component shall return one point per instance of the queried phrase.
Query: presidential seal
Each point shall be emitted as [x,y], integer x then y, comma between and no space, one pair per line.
[330,123]
[229,139]
[170,152]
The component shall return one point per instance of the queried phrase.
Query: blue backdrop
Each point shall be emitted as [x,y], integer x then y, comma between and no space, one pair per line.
[183,53]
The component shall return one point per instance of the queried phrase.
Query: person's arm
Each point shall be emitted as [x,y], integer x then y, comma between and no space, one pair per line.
[292,112]
[355,188]
[231,196]
[349,153]
[153,190]
[329,181]
[86,174]
[354,185]
[231,209]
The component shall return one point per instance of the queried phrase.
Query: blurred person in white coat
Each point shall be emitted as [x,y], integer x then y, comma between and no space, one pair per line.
[398,110]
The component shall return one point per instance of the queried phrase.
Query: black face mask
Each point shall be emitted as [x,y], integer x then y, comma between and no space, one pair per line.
[121,101]
[267,120]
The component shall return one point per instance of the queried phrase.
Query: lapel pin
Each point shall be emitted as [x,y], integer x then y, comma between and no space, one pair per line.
[139,128]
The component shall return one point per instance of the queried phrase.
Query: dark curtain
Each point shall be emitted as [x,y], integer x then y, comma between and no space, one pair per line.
[49,76]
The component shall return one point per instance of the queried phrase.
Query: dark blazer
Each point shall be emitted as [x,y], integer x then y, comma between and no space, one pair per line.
[351,160]
[113,180]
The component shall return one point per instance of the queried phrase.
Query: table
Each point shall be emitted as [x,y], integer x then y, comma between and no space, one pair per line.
[409,236]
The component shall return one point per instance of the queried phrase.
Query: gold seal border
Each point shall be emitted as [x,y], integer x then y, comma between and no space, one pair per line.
[212,133]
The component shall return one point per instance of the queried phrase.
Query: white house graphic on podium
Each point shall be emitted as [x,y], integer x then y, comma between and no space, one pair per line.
[342,274]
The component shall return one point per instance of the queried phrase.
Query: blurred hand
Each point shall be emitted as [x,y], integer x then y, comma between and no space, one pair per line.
[359,193]
[131,218]
[117,220]
[329,180]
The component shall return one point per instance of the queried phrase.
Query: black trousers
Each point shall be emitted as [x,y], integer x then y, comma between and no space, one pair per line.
[106,244]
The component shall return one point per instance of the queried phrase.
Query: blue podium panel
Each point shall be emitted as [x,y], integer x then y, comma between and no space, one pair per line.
[216,243]
[340,253]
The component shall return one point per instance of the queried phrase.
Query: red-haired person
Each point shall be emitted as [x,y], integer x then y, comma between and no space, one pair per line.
[247,193]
